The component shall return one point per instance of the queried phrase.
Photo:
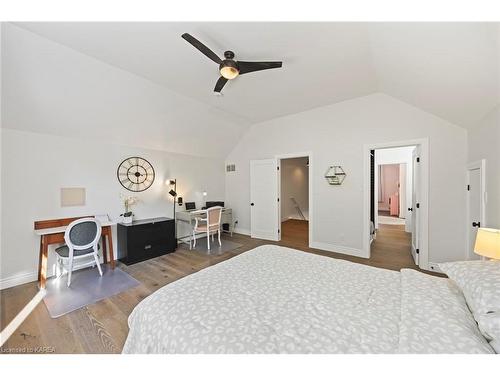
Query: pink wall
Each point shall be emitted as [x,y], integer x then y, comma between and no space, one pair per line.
[389,180]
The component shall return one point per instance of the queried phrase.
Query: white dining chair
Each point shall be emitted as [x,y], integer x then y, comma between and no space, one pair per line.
[82,241]
[209,225]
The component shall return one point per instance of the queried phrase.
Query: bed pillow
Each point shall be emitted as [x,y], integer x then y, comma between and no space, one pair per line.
[435,317]
[479,281]
[489,325]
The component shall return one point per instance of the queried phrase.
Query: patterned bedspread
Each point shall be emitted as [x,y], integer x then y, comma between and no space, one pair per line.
[278,300]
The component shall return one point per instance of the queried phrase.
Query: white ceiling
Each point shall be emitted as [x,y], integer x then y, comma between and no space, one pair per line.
[448,69]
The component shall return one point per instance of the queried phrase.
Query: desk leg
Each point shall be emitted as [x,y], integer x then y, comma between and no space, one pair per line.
[40,254]
[42,263]
[111,255]
[104,250]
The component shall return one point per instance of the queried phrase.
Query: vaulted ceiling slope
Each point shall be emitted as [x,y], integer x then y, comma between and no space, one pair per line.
[49,88]
[448,69]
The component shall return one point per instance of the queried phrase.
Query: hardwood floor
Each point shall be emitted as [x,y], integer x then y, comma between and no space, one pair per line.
[295,232]
[102,327]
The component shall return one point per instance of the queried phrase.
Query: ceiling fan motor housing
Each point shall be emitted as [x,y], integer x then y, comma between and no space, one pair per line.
[229,64]
[229,55]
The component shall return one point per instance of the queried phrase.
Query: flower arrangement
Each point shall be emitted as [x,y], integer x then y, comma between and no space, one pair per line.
[128,201]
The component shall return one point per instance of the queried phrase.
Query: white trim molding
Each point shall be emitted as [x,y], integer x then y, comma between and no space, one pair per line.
[15,280]
[338,249]
[244,231]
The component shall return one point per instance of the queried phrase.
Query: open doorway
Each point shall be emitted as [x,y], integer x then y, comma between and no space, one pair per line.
[393,188]
[267,198]
[294,201]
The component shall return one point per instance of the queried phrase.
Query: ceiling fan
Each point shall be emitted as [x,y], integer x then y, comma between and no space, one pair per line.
[229,68]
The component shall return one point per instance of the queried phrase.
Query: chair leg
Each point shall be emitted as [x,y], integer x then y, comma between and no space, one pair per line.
[96,257]
[208,241]
[194,239]
[58,269]
[61,267]
[220,243]
[70,270]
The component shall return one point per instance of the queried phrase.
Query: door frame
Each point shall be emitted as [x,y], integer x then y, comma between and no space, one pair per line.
[415,197]
[481,165]
[305,154]
[424,195]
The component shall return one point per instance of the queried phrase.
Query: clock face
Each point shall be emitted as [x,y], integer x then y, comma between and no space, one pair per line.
[136,174]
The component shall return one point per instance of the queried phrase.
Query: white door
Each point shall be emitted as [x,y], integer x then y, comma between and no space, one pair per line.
[475,208]
[264,199]
[414,209]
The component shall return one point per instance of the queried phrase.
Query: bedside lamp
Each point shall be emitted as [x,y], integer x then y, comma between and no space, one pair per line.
[488,243]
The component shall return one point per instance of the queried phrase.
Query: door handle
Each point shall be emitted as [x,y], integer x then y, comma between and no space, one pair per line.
[476,224]
[251,204]
[410,209]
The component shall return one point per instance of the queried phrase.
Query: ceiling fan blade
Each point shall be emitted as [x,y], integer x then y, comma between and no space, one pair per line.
[253,66]
[220,84]
[202,48]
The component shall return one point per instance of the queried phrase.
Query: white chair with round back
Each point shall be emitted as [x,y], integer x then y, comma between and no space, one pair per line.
[210,226]
[82,241]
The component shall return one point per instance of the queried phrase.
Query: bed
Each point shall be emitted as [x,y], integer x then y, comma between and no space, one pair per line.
[278,300]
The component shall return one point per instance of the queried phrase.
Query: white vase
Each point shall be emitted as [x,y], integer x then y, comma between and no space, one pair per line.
[127,219]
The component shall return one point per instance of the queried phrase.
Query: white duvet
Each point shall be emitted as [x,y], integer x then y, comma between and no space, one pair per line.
[278,300]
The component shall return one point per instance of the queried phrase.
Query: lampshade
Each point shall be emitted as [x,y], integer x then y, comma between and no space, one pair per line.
[488,243]
[229,72]
[172,193]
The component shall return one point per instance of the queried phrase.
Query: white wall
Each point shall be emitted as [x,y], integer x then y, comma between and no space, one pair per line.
[336,135]
[1,121]
[35,167]
[294,183]
[66,118]
[50,88]
[484,143]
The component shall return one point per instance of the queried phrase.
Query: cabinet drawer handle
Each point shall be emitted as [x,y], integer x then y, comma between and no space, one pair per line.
[147,247]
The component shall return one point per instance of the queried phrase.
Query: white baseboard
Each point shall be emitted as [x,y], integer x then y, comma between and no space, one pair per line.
[321,246]
[338,249]
[243,231]
[15,280]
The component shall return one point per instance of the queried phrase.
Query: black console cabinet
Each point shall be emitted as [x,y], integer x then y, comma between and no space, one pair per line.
[145,239]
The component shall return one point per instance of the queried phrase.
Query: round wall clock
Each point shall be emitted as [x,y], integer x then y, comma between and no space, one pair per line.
[135,174]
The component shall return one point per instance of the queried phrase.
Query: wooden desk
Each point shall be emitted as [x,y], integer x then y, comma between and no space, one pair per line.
[52,232]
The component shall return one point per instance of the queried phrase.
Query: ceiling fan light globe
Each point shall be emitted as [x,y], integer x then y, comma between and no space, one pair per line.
[229,72]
